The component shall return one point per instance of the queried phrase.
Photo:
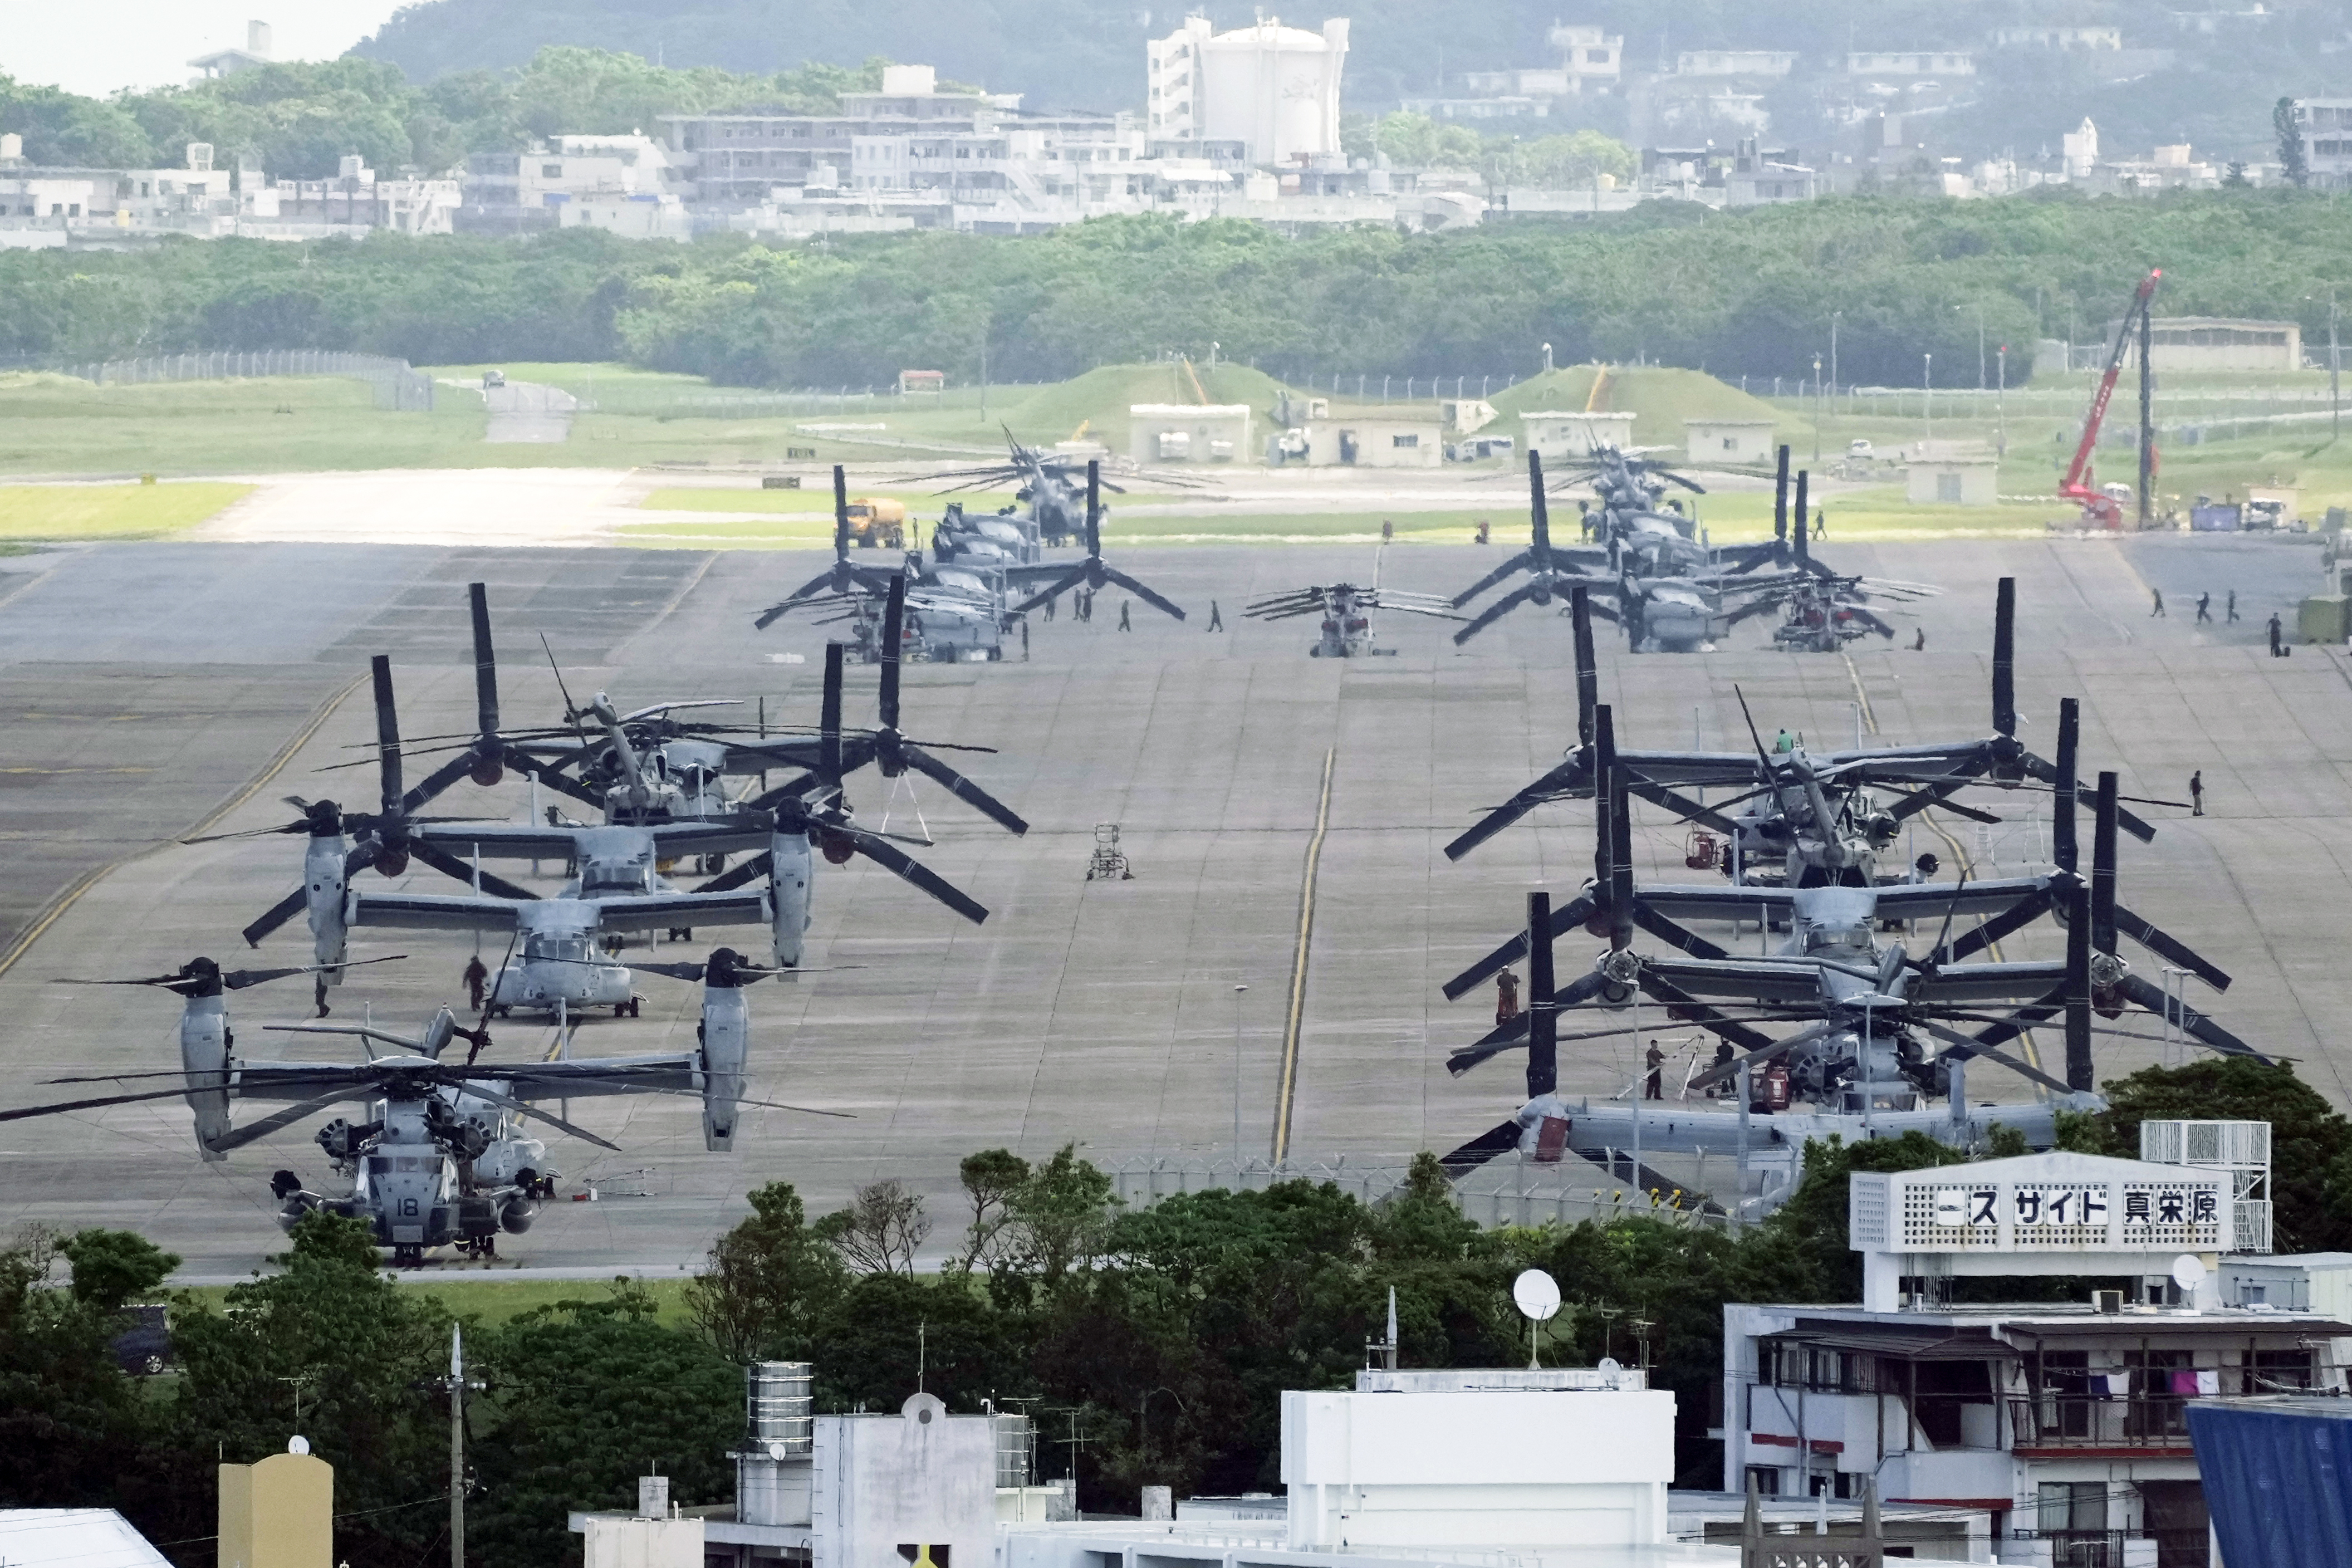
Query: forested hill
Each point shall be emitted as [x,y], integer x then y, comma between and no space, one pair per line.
[1088,54]
[1735,293]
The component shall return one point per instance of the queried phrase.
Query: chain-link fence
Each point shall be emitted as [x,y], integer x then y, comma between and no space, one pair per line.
[1513,1190]
[399,387]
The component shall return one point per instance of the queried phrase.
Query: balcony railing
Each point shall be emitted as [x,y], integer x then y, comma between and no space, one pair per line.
[2074,1421]
[2082,1548]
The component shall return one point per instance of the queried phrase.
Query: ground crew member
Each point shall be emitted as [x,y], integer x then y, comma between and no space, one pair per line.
[2197,792]
[1506,997]
[2153,614]
[476,977]
[1024,638]
[2275,641]
[1216,617]
[1123,623]
[1652,1086]
[2204,610]
[1919,642]
[2233,603]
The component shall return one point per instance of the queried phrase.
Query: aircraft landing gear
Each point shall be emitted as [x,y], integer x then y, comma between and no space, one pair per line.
[408,1254]
[631,1008]
[482,1249]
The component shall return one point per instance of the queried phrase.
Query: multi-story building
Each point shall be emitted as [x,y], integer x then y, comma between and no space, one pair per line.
[112,208]
[515,193]
[2065,1420]
[2326,124]
[1590,60]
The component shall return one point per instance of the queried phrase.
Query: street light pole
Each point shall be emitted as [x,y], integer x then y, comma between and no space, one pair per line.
[1238,990]
[2335,368]
[1817,408]
[1927,398]
[1833,332]
[2000,408]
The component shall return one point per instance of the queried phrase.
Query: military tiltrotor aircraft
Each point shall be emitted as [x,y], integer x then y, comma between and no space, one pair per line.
[1806,818]
[446,1157]
[1868,1015]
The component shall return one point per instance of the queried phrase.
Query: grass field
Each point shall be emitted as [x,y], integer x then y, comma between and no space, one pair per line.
[56,424]
[110,512]
[486,1298]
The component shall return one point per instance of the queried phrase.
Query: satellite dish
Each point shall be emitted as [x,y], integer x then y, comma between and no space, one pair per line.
[298,1444]
[775,1447]
[1538,1295]
[1609,1364]
[2187,1272]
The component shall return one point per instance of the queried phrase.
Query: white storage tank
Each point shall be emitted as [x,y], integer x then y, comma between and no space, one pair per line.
[1275,89]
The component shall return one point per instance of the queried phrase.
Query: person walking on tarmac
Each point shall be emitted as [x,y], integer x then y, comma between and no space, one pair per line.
[475,978]
[2204,609]
[1123,623]
[2277,639]
[1506,997]
[1653,1088]
[2197,792]
[1216,617]
[2158,610]
[2233,604]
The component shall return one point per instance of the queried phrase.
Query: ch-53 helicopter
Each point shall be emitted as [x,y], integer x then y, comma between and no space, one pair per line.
[1347,613]
[444,1156]
[1868,1013]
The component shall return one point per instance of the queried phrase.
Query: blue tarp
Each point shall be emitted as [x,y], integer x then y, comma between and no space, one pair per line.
[2278,1481]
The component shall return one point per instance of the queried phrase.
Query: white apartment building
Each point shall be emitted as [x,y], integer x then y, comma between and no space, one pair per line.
[1592,59]
[2327,125]
[1911,63]
[2058,39]
[1734,62]
[564,181]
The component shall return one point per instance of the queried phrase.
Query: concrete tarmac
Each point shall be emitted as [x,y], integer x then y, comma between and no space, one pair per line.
[1100,1013]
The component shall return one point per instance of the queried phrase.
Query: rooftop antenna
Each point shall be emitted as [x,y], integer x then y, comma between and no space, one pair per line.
[1386,1349]
[1538,1296]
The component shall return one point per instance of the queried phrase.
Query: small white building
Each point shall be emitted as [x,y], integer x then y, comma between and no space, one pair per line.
[1557,434]
[228,62]
[1188,433]
[2295,1282]
[1734,441]
[2060,40]
[1953,480]
[1734,62]
[1365,441]
[1916,64]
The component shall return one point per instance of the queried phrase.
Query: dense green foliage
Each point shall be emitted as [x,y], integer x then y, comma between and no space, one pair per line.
[300,120]
[1736,293]
[1159,1340]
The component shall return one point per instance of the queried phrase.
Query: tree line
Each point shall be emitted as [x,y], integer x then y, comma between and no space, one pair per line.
[300,119]
[1051,1293]
[1756,293]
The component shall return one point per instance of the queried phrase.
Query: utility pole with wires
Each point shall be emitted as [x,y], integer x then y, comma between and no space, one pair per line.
[457,1386]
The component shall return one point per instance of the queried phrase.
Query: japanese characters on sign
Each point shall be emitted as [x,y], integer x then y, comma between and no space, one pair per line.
[2156,1215]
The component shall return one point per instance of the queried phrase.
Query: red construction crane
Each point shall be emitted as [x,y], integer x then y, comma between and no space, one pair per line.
[2099,508]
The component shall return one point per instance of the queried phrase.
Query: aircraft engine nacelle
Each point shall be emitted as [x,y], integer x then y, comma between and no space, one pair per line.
[793,864]
[323,893]
[515,1215]
[726,1041]
[204,1055]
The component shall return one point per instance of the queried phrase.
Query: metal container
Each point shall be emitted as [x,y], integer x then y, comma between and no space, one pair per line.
[776,1397]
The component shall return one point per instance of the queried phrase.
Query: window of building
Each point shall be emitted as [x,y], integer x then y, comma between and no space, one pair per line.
[1947,489]
[1597,56]
[551,170]
[2072,1505]
[1765,1479]
[1404,440]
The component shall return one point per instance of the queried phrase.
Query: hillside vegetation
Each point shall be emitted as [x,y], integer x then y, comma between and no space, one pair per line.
[1747,293]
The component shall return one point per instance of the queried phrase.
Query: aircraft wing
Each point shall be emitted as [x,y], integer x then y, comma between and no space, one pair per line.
[501,840]
[1964,982]
[1757,979]
[1711,768]
[716,837]
[1929,900]
[585,1078]
[431,912]
[1727,902]
[1928,764]
[653,912]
